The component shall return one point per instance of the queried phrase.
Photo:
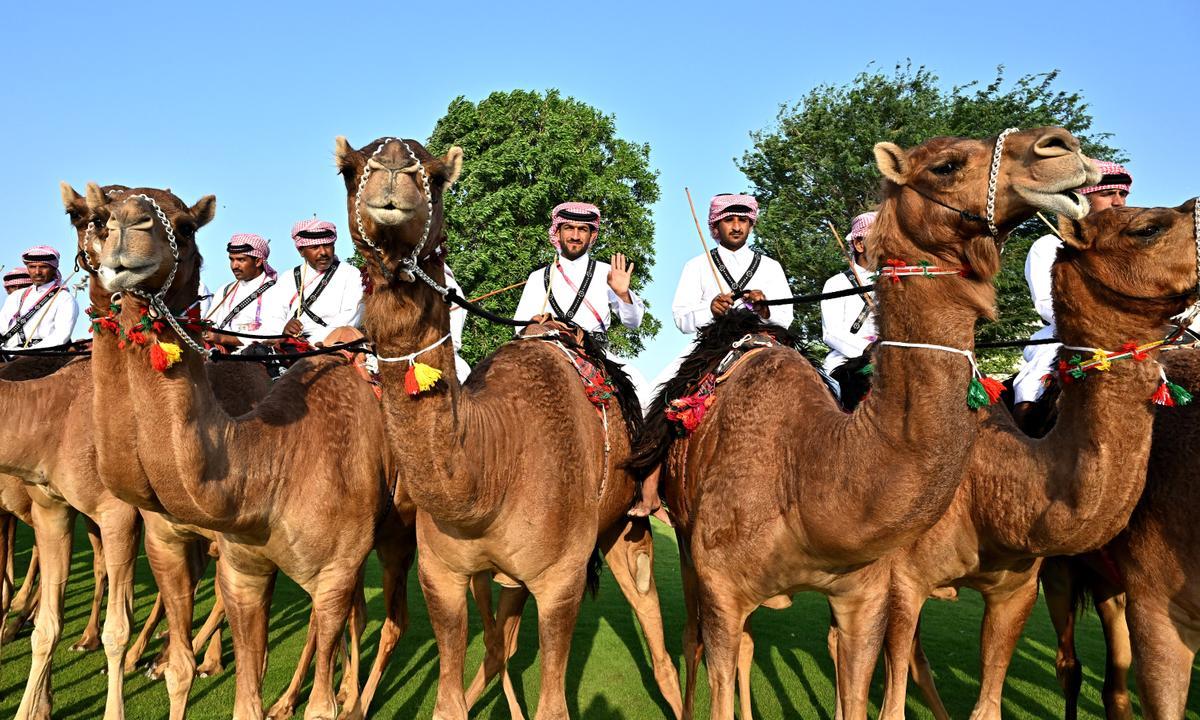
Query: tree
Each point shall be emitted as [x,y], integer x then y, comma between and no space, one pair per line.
[816,163]
[525,152]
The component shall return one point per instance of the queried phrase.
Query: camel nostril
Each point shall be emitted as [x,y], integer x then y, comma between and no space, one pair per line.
[1056,143]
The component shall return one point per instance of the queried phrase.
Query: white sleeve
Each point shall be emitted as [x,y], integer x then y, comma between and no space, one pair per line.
[350,311]
[836,320]
[274,307]
[688,307]
[62,320]
[630,314]
[775,286]
[532,298]
[11,304]
[458,316]
[1038,275]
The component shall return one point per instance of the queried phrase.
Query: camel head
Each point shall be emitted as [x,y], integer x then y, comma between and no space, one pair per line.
[391,207]
[937,193]
[1134,259]
[135,250]
[88,241]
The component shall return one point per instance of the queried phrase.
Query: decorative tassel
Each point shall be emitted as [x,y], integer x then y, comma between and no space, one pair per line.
[1102,363]
[983,391]
[164,355]
[868,369]
[1179,394]
[420,377]
[1162,396]
[993,388]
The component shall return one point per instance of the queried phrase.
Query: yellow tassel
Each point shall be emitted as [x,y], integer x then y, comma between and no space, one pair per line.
[173,352]
[1101,360]
[426,375]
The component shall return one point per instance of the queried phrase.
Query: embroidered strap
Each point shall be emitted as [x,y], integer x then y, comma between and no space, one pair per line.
[18,327]
[865,312]
[258,292]
[743,281]
[580,292]
[306,302]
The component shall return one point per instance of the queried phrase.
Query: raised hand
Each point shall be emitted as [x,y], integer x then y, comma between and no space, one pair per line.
[618,277]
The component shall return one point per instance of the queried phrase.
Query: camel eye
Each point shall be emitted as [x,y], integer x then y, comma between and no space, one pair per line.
[1147,232]
[946,168]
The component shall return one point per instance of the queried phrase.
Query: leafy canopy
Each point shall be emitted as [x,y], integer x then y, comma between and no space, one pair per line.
[815,164]
[524,153]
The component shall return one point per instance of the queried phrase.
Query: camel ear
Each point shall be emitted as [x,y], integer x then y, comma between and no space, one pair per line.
[1072,233]
[343,153]
[204,210]
[95,197]
[452,164]
[73,202]
[892,162]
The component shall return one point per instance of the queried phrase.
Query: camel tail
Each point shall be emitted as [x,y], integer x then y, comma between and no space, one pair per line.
[593,572]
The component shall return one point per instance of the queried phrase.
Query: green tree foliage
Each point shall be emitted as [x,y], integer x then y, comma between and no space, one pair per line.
[815,164]
[525,152]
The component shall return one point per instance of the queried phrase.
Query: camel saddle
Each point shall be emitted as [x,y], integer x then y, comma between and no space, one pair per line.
[569,340]
[686,412]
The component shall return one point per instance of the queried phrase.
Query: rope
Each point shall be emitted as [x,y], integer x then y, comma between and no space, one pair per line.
[352,346]
[413,356]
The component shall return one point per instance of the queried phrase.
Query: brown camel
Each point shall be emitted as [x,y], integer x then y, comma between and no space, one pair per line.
[298,484]
[813,496]
[516,471]
[1122,275]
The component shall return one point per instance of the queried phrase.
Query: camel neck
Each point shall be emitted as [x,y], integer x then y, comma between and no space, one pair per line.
[1074,489]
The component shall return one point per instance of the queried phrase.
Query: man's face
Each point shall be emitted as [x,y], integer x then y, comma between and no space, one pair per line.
[245,267]
[734,230]
[575,239]
[40,272]
[320,257]
[1105,199]
[859,246]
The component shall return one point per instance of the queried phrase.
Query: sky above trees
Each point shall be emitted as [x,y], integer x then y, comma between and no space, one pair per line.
[244,100]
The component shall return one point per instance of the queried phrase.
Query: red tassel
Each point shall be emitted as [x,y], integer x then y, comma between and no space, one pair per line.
[411,386]
[1162,396]
[993,388]
[158,358]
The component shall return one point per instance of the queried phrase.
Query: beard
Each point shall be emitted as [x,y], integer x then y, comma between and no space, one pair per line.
[575,255]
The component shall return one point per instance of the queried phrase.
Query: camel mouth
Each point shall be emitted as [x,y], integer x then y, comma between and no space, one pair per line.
[390,214]
[1059,201]
[123,277]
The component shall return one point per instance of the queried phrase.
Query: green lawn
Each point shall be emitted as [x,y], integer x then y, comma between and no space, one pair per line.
[609,677]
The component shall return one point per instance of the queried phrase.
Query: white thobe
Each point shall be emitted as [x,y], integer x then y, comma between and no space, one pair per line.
[339,304]
[458,319]
[247,320]
[697,288]
[838,316]
[1039,359]
[54,321]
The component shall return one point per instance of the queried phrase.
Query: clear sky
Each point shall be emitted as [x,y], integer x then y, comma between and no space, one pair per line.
[243,100]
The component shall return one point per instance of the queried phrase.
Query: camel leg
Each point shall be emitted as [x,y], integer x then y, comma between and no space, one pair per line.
[1004,616]
[722,626]
[903,629]
[922,675]
[210,633]
[745,661]
[628,549]
[90,640]
[8,547]
[332,599]
[862,621]
[176,564]
[52,527]
[348,696]
[25,601]
[693,646]
[138,648]
[558,604]
[1164,666]
[445,596]
[1058,590]
[1117,704]
[396,558]
[501,645]
[831,644]
[119,540]
[247,601]
[285,706]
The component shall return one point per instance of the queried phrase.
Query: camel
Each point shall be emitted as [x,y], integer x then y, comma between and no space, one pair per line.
[516,471]
[298,484]
[1122,275]
[811,497]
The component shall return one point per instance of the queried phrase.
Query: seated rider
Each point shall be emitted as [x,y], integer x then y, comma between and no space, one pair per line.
[848,323]
[240,303]
[320,294]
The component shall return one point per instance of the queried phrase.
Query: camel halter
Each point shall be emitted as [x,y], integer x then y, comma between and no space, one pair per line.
[989,217]
[419,377]
[408,269]
[157,301]
[982,391]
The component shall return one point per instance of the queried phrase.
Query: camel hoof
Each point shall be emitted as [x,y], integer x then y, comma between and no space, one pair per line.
[86,645]
[154,672]
[204,671]
[281,712]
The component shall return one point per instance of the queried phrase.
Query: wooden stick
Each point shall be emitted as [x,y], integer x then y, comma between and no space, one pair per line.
[300,289]
[549,286]
[703,244]
[1052,228]
[45,308]
[850,261]
[485,296]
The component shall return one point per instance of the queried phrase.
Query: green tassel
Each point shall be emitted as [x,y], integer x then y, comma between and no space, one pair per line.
[977,397]
[1180,395]
[867,369]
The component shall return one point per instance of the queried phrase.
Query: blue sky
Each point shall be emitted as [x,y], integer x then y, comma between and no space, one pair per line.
[243,100]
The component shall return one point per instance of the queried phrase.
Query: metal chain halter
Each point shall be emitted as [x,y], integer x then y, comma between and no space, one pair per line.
[993,176]
[407,269]
[157,300]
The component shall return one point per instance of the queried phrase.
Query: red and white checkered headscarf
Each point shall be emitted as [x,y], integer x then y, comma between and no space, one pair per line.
[861,225]
[42,254]
[16,279]
[326,231]
[259,247]
[572,212]
[1112,176]
[723,206]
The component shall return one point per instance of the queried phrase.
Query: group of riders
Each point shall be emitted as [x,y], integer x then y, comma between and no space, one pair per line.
[262,309]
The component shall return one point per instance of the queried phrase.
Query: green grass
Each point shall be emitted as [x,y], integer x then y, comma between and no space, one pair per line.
[609,676]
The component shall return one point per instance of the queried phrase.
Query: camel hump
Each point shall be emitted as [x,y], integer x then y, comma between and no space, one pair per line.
[341,335]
